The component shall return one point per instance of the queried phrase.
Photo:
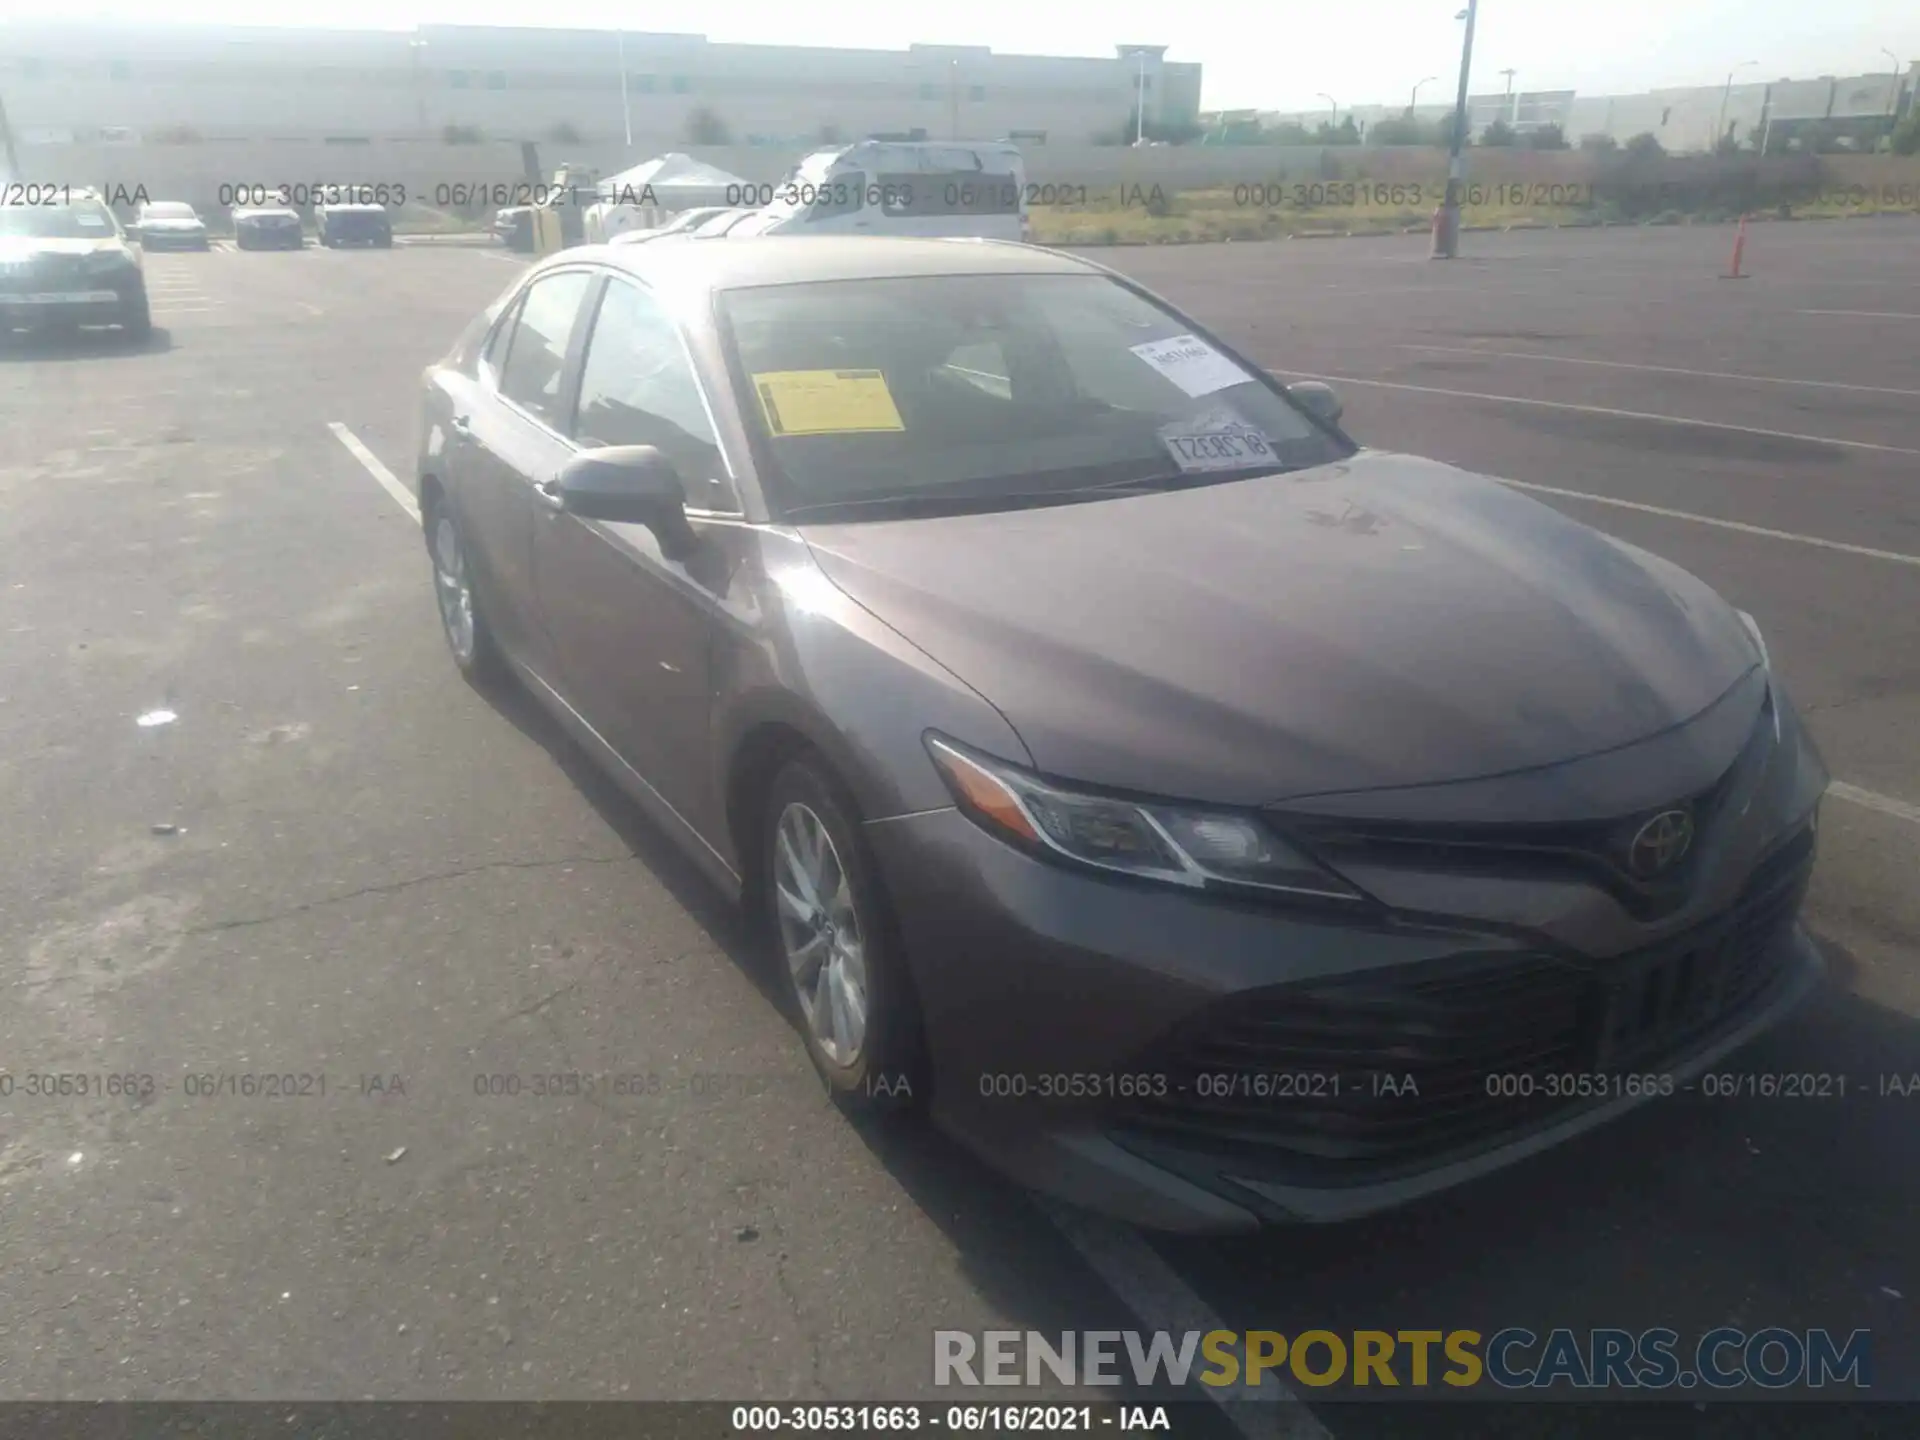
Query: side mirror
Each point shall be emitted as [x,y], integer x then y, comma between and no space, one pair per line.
[1319,399]
[629,485]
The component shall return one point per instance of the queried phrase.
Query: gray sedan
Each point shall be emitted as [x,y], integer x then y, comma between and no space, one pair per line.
[1205,818]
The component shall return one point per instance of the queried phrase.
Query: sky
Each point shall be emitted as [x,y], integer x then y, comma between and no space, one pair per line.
[1255,55]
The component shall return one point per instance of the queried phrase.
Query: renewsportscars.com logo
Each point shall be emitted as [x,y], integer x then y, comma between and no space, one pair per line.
[1511,1359]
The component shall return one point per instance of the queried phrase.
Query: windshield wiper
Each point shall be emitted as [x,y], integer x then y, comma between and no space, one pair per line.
[936,502]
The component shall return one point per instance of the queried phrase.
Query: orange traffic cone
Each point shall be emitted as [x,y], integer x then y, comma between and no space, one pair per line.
[1739,249]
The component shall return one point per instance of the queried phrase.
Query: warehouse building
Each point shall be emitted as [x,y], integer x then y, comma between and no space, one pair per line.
[89,83]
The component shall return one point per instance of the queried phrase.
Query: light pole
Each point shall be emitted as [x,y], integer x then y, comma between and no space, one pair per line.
[1446,233]
[1893,95]
[1140,100]
[626,110]
[1513,115]
[1720,126]
[1414,102]
[1333,110]
[6,138]
[953,99]
[414,47]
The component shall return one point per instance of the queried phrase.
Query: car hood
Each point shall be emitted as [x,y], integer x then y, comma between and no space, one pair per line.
[17,248]
[1384,621]
[184,226]
[240,216]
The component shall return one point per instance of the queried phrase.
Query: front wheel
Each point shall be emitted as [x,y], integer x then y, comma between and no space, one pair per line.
[845,970]
[136,318]
[474,649]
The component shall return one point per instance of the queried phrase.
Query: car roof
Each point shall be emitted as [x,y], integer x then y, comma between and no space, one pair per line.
[737,264]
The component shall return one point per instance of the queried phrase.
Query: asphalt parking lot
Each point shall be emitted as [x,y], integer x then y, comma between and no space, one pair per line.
[335,859]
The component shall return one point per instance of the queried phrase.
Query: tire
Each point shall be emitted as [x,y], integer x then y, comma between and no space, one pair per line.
[476,654]
[880,1066]
[136,318]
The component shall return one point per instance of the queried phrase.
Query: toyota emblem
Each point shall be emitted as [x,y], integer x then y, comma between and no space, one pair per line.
[1660,844]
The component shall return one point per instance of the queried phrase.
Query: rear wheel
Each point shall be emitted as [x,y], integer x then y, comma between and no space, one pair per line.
[474,649]
[844,967]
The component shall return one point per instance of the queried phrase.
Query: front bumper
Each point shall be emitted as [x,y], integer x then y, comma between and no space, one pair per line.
[271,237]
[88,302]
[1198,1065]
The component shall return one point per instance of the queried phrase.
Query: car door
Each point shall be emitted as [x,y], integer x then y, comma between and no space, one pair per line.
[509,439]
[632,628]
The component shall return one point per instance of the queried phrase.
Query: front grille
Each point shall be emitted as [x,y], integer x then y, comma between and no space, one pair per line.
[1310,1082]
[1596,851]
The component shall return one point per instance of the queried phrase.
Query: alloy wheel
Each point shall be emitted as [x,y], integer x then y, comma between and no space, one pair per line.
[453,589]
[820,934]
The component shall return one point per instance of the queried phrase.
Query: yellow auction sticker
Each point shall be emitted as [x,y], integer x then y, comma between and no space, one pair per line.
[826,402]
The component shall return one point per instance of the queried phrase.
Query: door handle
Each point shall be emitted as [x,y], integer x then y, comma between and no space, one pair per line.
[548,493]
[461,425]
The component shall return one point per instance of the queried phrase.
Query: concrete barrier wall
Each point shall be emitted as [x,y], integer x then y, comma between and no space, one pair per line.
[442,175]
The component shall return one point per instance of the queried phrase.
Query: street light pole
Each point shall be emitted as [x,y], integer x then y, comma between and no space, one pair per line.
[1513,115]
[1446,236]
[1893,95]
[12,172]
[414,47]
[1720,128]
[1140,100]
[626,110]
[1413,103]
[1333,110]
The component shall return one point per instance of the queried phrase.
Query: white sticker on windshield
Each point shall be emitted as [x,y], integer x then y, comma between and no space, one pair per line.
[1216,440]
[1192,364]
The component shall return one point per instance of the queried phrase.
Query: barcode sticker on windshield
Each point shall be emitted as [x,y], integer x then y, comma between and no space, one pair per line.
[1223,450]
[1192,364]
[826,402]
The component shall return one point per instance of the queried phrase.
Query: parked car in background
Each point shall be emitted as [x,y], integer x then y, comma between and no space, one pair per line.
[268,227]
[337,225]
[68,265]
[681,224]
[715,226]
[170,225]
[908,188]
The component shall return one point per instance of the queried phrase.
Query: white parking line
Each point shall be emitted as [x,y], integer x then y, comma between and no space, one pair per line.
[1659,369]
[1863,314]
[1745,529]
[1161,1300]
[389,482]
[1872,800]
[1606,410]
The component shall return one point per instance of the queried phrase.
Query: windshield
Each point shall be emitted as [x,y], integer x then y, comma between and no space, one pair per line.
[797,188]
[993,391]
[82,220]
[169,210]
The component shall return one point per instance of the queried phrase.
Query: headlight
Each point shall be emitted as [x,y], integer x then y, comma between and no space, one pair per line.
[1153,840]
[1752,627]
[1766,665]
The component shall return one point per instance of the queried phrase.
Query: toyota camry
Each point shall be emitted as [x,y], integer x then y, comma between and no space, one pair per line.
[1202,816]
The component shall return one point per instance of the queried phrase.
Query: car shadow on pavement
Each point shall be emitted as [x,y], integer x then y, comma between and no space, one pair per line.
[1018,1261]
[1791,1210]
[1691,1212]
[85,344]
